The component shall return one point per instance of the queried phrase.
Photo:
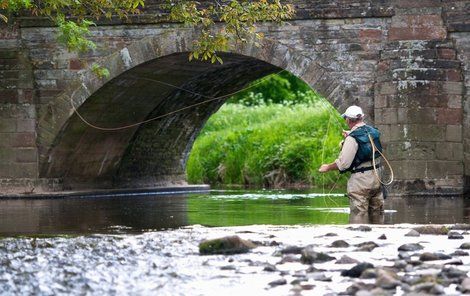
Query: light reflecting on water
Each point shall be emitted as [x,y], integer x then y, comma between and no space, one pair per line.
[219,208]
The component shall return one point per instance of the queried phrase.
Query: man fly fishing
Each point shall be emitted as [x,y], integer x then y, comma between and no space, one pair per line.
[364,186]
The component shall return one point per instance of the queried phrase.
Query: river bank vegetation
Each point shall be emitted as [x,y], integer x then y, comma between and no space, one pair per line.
[275,134]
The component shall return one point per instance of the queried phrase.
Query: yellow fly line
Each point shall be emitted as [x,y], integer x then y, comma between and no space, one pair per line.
[210,99]
[374,149]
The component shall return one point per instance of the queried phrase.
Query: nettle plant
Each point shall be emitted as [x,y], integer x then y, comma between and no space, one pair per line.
[218,22]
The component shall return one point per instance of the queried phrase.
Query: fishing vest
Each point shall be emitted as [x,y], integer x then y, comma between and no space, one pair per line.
[364,149]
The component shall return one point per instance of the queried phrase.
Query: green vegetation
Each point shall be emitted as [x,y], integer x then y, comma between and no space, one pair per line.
[258,139]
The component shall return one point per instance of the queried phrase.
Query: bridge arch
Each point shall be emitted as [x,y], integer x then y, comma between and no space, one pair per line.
[154,154]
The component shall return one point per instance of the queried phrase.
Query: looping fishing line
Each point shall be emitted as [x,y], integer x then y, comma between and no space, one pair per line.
[210,99]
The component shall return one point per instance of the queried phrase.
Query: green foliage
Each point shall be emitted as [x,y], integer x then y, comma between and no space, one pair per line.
[100,71]
[237,22]
[75,34]
[267,145]
[282,88]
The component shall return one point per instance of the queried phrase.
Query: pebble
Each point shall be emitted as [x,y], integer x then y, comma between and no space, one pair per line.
[345,259]
[459,253]
[357,270]
[465,246]
[383,236]
[339,244]
[410,247]
[366,246]
[292,250]
[413,233]
[309,256]
[427,256]
[361,228]
[454,235]
[278,282]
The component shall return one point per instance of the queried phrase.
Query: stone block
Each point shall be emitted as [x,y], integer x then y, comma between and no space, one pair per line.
[25,125]
[443,169]
[26,155]
[454,133]
[7,155]
[449,151]
[7,125]
[24,140]
[8,96]
[449,116]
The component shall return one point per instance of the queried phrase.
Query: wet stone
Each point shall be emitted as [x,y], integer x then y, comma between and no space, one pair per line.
[361,228]
[459,253]
[339,244]
[366,246]
[427,256]
[410,247]
[454,235]
[228,267]
[459,226]
[309,256]
[278,282]
[383,237]
[292,250]
[270,268]
[330,234]
[299,280]
[225,245]
[346,260]
[400,264]
[412,233]
[289,258]
[357,270]
[465,246]
[431,229]
[454,262]
[387,279]
[452,273]
[369,273]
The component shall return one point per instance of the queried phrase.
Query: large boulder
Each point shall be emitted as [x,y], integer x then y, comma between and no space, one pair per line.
[225,245]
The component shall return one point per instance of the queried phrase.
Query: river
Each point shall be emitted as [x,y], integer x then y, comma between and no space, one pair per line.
[148,244]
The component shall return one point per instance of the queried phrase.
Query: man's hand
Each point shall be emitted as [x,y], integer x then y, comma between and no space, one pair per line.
[345,133]
[324,168]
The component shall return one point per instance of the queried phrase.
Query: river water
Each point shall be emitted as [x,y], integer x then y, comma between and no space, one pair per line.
[148,244]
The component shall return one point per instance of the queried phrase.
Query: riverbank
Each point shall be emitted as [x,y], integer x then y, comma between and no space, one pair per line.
[169,263]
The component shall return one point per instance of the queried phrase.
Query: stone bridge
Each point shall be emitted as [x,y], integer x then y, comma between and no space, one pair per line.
[407,63]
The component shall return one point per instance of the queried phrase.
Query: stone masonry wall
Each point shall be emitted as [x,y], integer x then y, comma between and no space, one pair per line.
[406,63]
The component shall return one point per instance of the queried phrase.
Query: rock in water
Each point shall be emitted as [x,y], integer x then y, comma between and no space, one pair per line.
[346,260]
[410,247]
[309,256]
[357,270]
[432,229]
[339,244]
[383,236]
[427,256]
[465,246]
[225,245]
[412,233]
[454,235]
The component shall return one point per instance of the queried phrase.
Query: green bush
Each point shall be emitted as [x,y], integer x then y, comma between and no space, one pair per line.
[267,145]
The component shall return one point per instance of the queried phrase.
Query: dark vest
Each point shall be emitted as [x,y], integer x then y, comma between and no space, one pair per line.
[364,149]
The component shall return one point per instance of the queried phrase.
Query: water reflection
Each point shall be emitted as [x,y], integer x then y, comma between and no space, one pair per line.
[223,208]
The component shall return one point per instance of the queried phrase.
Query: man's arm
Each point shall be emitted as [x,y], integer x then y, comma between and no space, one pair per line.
[345,157]
[328,167]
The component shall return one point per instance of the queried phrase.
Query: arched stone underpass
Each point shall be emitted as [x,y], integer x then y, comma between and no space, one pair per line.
[154,153]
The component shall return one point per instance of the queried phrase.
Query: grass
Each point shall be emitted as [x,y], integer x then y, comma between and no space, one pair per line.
[267,145]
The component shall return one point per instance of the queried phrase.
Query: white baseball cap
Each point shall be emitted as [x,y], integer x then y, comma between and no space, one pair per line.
[353,112]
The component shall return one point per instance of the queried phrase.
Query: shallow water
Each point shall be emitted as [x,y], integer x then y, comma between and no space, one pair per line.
[148,245]
[131,214]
